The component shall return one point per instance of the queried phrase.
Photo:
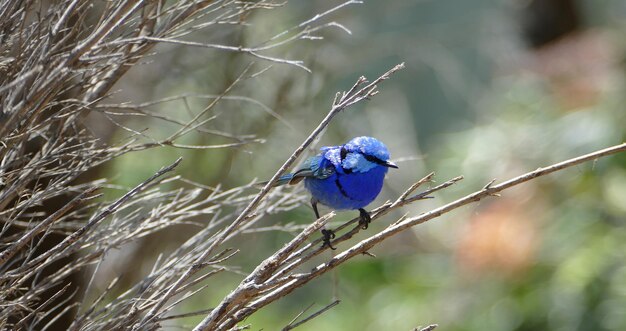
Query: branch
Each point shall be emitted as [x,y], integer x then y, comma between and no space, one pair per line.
[112,208]
[298,258]
[293,281]
[45,224]
[342,101]
[293,325]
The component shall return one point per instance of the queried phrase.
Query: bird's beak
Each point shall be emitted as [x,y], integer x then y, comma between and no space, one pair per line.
[390,164]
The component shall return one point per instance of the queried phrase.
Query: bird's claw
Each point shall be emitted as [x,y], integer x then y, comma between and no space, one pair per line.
[328,235]
[365,219]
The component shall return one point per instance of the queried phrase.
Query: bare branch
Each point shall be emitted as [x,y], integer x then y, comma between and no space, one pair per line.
[19,244]
[287,282]
[293,325]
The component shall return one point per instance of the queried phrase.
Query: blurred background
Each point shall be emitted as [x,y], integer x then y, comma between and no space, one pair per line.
[491,89]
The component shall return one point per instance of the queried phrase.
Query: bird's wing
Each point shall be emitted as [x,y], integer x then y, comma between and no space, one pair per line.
[316,166]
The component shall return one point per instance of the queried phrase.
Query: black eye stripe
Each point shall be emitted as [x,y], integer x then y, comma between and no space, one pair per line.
[374,159]
[344,152]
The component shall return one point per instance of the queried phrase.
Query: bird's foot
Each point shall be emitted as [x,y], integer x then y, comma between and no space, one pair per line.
[365,218]
[328,235]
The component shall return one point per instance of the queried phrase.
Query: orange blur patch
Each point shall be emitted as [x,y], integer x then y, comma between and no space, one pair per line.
[501,238]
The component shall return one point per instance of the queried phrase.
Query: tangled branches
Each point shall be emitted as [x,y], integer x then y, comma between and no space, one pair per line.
[58,64]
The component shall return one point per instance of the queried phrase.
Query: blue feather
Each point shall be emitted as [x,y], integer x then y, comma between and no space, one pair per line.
[348,176]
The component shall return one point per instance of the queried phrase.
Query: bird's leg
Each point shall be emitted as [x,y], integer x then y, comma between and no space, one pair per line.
[328,234]
[314,205]
[365,218]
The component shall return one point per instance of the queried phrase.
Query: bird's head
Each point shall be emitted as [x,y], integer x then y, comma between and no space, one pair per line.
[365,148]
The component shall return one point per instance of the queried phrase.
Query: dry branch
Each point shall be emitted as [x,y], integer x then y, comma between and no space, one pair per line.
[252,294]
[295,324]
[59,63]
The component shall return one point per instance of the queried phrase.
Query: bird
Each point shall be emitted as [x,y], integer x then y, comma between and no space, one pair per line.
[344,177]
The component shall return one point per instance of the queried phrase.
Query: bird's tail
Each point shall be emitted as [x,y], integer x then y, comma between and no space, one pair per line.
[282,180]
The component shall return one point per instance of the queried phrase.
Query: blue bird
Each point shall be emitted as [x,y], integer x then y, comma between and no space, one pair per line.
[344,177]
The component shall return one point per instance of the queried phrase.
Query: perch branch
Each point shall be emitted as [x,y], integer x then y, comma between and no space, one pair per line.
[297,280]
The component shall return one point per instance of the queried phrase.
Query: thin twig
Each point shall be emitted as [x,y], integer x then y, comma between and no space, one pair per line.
[292,325]
[27,237]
